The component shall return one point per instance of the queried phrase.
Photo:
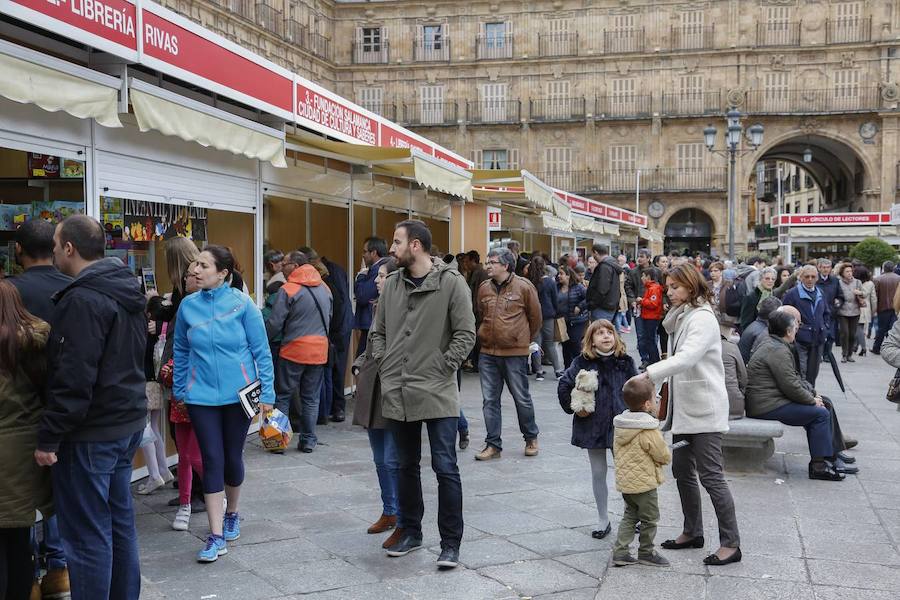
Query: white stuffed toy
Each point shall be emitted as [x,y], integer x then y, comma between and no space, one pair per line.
[583,394]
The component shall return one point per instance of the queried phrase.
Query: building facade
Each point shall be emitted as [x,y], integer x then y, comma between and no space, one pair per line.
[587,93]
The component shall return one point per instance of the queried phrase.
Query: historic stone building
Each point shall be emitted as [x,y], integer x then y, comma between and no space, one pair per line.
[585,93]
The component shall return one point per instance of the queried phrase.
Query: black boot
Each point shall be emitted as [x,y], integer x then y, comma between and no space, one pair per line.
[819,469]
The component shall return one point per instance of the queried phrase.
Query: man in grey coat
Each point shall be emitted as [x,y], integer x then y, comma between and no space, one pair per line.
[423,330]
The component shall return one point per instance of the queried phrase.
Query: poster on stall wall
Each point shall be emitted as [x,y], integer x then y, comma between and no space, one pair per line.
[156,221]
[57,210]
[113,219]
[72,169]
[13,215]
[43,165]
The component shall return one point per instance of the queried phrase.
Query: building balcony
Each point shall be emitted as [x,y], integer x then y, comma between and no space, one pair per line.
[495,47]
[693,38]
[243,8]
[843,100]
[557,109]
[270,18]
[493,111]
[848,31]
[622,107]
[385,109]
[557,44]
[367,53]
[777,34]
[623,41]
[692,104]
[431,50]
[300,35]
[429,113]
[624,181]
[765,232]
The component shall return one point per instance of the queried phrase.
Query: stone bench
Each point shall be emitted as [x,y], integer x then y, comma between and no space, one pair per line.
[749,443]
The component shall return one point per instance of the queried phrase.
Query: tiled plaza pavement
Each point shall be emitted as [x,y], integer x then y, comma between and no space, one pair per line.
[528,521]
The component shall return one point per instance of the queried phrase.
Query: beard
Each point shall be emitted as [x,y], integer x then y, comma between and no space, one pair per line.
[405,259]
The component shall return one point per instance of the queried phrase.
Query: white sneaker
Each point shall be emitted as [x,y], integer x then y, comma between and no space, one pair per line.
[150,486]
[182,518]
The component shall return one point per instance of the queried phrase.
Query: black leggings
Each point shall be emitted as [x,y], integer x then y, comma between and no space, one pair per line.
[221,432]
[16,563]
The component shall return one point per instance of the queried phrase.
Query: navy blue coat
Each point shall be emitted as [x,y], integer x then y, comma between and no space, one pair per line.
[566,303]
[547,296]
[365,291]
[342,315]
[814,325]
[596,430]
[831,291]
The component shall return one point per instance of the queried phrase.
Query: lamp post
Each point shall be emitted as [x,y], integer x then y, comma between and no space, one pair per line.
[733,134]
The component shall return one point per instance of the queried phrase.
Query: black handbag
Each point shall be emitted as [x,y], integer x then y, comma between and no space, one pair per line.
[893,391]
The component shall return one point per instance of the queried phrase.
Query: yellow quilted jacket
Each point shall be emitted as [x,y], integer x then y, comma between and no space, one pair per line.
[640,452]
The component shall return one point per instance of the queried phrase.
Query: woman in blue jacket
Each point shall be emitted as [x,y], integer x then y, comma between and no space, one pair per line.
[536,272]
[220,347]
[572,304]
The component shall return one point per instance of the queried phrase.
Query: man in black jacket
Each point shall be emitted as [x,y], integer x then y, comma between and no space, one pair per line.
[603,293]
[634,289]
[96,410]
[40,281]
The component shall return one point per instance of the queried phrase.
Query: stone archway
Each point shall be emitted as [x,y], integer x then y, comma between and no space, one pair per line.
[691,230]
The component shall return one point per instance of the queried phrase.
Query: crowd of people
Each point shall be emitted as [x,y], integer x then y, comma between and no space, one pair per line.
[93,368]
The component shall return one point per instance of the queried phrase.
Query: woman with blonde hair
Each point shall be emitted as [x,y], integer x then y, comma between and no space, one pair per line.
[180,254]
[603,352]
[697,412]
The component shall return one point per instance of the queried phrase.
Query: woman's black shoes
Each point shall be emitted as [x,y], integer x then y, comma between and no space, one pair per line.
[714,561]
[696,542]
[824,472]
[600,534]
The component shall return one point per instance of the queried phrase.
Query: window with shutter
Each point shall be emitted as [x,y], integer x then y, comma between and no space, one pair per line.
[432,104]
[690,159]
[559,42]
[690,94]
[777,26]
[846,89]
[371,98]
[495,159]
[775,90]
[690,32]
[622,98]
[371,46]
[847,22]
[623,37]
[558,106]
[493,102]
[622,165]
[496,41]
[557,166]
[513,158]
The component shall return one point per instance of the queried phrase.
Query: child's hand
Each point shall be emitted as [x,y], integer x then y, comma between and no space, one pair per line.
[582,413]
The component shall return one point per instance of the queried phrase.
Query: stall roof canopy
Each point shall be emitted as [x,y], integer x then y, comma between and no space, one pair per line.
[31,77]
[170,114]
[520,189]
[408,163]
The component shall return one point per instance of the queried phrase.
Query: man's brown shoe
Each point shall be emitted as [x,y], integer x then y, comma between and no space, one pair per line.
[488,453]
[55,584]
[531,447]
[35,591]
[383,523]
[395,537]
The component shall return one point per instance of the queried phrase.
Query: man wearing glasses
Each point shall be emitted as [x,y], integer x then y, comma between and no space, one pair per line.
[510,315]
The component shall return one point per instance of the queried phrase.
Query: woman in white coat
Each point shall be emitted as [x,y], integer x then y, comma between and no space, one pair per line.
[697,412]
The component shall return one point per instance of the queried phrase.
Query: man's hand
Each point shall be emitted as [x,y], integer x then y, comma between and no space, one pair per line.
[819,401]
[45,459]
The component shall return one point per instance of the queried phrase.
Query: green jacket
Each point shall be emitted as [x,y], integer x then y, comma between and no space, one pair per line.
[420,337]
[773,380]
[26,486]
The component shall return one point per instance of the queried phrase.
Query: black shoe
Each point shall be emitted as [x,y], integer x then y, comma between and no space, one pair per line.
[197,506]
[714,561]
[862,352]
[876,353]
[449,558]
[846,458]
[696,542]
[842,467]
[322,421]
[339,416]
[463,440]
[406,545]
[824,473]
[599,535]
[850,442]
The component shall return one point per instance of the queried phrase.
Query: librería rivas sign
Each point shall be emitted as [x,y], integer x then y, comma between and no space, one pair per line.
[156,37]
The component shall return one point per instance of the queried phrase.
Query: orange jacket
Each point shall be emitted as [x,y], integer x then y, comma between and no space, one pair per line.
[652,301]
[303,330]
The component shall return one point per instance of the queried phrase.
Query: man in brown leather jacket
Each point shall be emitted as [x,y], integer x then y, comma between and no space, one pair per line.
[510,315]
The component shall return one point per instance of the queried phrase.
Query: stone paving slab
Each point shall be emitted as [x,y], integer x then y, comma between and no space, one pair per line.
[528,521]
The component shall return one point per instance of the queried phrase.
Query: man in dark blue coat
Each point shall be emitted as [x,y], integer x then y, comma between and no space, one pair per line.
[374,255]
[831,289]
[815,312]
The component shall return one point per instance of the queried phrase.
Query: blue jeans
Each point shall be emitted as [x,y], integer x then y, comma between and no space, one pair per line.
[647,344]
[886,320]
[620,321]
[50,546]
[384,453]
[442,440]
[815,419]
[513,370]
[463,425]
[305,380]
[96,518]
[601,313]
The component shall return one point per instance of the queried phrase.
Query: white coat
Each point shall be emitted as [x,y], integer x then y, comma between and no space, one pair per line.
[698,398]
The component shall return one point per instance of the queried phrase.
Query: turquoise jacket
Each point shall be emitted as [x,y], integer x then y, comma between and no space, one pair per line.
[220,347]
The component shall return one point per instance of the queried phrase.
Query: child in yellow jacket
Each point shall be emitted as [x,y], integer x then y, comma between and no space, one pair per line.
[640,453]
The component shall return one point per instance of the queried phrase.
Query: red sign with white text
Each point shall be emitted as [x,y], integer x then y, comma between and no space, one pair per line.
[330,114]
[391,138]
[605,211]
[112,20]
[177,46]
[450,159]
[808,220]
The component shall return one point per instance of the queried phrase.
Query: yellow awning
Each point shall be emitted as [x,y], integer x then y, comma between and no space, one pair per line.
[611,228]
[408,163]
[583,224]
[519,188]
[163,111]
[56,85]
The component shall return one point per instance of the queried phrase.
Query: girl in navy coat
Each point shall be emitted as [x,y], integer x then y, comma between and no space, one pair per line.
[603,351]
